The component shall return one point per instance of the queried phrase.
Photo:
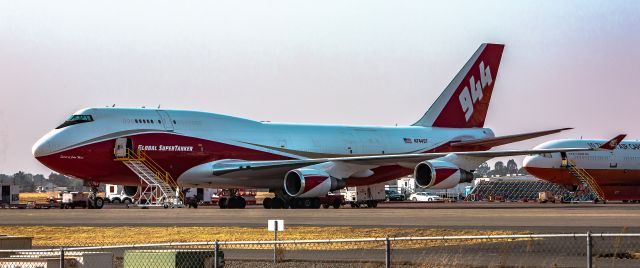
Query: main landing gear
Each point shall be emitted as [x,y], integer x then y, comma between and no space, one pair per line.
[283,201]
[95,202]
[234,200]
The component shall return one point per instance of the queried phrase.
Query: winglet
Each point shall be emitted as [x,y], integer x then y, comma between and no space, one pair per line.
[613,143]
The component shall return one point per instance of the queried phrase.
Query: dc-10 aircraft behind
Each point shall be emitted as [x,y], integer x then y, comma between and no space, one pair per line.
[616,170]
[298,162]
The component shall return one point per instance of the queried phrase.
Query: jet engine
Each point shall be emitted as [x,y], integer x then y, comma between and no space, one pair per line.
[306,182]
[436,174]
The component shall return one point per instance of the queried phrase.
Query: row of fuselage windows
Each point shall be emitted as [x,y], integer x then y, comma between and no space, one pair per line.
[590,157]
[632,158]
[149,121]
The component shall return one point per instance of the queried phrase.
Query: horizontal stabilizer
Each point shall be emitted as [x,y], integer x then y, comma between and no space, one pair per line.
[497,141]
[613,143]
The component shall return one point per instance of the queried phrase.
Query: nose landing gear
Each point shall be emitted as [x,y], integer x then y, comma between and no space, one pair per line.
[95,202]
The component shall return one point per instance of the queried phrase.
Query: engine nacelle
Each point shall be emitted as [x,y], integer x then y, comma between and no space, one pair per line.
[438,174]
[306,182]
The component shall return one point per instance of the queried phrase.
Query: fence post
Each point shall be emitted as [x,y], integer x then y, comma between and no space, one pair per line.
[387,251]
[589,259]
[61,257]
[215,254]
[275,246]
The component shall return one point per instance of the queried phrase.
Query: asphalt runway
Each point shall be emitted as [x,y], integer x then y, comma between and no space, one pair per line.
[504,216]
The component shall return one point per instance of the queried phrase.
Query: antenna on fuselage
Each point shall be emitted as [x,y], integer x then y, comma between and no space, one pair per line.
[114,105]
[159,106]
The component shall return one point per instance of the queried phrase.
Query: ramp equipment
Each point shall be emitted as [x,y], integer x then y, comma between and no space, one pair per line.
[586,179]
[158,186]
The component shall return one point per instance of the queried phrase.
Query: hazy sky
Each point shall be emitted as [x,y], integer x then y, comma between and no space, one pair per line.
[566,63]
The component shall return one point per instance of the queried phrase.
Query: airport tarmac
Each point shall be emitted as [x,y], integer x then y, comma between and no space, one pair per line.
[506,216]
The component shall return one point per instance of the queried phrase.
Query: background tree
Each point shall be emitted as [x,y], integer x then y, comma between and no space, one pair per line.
[512,167]
[482,170]
[499,169]
[523,171]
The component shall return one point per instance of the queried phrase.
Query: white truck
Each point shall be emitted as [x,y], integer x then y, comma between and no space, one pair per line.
[9,195]
[116,194]
[369,195]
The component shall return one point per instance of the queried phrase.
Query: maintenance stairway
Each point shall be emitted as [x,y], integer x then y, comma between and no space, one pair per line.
[587,180]
[159,187]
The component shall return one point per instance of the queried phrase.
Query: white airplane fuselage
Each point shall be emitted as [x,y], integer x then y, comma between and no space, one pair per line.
[179,140]
[616,171]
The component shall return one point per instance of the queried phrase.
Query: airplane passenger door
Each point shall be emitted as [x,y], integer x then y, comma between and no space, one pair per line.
[120,149]
[167,122]
[564,162]
[613,160]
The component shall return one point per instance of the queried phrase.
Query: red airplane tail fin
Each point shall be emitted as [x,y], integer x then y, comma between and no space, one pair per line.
[613,143]
[465,101]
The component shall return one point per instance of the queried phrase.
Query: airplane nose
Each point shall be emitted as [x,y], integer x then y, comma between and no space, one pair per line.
[528,161]
[42,147]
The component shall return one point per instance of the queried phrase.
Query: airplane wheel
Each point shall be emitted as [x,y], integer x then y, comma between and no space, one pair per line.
[306,203]
[236,202]
[277,203]
[266,203]
[337,203]
[293,203]
[315,203]
[222,203]
[302,203]
[231,202]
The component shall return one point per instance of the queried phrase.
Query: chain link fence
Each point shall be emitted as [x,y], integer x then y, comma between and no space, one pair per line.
[541,250]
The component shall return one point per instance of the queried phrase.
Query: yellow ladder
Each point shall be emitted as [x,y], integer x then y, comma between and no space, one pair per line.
[585,178]
[159,173]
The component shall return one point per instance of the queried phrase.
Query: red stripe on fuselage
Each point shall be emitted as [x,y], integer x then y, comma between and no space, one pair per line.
[95,161]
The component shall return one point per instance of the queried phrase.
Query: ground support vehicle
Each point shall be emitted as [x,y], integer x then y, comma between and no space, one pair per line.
[369,195]
[75,199]
[116,194]
[332,200]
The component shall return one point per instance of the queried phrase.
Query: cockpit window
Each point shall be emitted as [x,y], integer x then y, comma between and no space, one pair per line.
[76,119]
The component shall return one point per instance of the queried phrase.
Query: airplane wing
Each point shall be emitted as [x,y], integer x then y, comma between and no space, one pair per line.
[229,167]
[497,141]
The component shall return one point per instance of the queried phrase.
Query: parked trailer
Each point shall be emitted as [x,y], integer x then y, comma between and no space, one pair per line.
[369,195]
[9,195]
